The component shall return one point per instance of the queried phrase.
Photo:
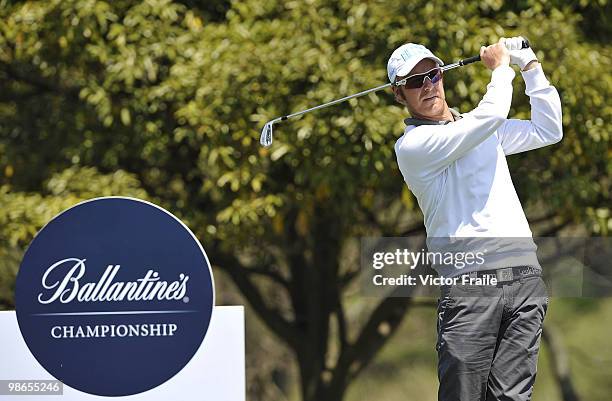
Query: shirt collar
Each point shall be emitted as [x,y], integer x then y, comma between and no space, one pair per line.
[418,121]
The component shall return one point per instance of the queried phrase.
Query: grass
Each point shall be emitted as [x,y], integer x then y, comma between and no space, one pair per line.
[405,370]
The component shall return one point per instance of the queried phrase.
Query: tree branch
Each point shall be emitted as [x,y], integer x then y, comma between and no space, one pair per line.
[271,274]
[551,231]
[562,250]
[383,322]
[8,96]
[345,279]
[38,82]
[381,325]
[543,218]
[271,317]
[414,230]
[560,363]
[425,303]
[343,332]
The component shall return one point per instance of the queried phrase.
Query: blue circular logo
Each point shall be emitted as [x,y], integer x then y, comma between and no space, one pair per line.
[114,296]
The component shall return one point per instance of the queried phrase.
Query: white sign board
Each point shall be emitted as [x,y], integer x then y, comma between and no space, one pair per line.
[216,372]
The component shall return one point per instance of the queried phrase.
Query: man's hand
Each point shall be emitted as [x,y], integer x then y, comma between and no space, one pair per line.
[521,57]
[495,55]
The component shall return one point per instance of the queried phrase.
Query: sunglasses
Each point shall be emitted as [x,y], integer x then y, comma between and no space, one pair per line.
[418,80]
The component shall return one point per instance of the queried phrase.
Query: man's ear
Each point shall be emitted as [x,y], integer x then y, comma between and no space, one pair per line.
[398,95]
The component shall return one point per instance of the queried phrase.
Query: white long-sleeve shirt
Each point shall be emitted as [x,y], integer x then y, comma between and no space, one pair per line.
[459,175]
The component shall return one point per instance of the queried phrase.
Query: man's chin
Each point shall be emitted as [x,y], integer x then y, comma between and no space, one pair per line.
[431,101]
[433,105]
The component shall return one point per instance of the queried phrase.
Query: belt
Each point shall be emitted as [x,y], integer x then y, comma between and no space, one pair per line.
[507,274]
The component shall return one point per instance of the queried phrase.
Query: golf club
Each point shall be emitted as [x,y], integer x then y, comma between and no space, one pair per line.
[266,133]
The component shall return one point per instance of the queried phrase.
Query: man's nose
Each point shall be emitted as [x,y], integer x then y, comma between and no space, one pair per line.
[427,84]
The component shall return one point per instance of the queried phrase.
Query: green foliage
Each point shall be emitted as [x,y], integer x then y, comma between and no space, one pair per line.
[156,89]
[25,213]
[9,262]
[166,100]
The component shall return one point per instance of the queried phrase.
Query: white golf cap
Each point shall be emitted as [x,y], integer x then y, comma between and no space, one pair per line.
[405,57]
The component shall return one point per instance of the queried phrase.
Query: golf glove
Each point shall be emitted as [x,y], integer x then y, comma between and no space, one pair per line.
[518,56]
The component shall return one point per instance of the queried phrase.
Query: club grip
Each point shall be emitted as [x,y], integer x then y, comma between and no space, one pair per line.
[473,59]
[469,60]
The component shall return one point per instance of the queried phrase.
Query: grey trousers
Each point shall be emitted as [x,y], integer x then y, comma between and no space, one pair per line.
[488,340]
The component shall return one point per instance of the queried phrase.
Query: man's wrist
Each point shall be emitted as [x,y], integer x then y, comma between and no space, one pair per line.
[503,74]
[503,69]
[534,79]
[531,65]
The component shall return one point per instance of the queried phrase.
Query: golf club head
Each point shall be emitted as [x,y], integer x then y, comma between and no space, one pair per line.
[266,135]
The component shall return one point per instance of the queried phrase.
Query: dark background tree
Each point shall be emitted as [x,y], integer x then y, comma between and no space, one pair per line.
[165,100]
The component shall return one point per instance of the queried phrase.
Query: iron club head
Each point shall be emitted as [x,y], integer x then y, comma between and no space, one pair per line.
[266,134]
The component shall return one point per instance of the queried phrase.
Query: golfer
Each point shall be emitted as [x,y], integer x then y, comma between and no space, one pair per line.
[455,165]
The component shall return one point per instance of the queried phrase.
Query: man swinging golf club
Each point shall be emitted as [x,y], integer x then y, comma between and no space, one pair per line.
[455,165]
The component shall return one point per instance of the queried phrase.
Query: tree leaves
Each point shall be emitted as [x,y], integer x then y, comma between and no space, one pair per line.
[166,100]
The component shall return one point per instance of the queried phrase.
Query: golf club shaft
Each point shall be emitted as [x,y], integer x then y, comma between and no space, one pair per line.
[334,102]
[376,89]
[266,136]
[365,92]
[459,63]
